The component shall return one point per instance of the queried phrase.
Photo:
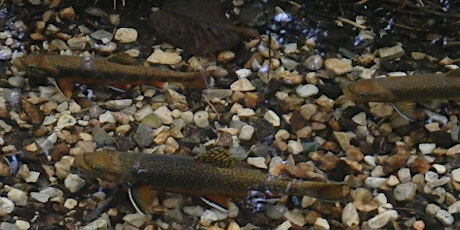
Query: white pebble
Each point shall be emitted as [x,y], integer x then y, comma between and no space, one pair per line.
[6,206]
[201,119]
[404,175]
[426,148]
[321,224]
[70,203]
[350,215]
[440,169]
[382,219]
[454,208]
[126,35]
[375,182]
[243,85]
[164,114]
[135,219]
[306,90]
[40,197]
[258,162]
[74,183]
[19,197]
[66,120]
[295,147]
[107,117]
[456,174]
[246,133]
[22,224]
[166,58]
[272,118]
[243,73]
[444,217]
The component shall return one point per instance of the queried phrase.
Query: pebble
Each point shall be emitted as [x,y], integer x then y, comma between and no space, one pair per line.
[444,217]
[166,58]
[381,219]
[296,217]
[107,117]
[288,63]
[405,191]
[391,53]
[22,224]
[18,197]
[454,208]
[126,35]
[350,215]
[245,112]
[208,217]
[17,82]
[77,43]
[404,175]
[360,119]
[201,119]
[456,175]
[272,118]
[70,203]
[426,148]
[307,90]
[286,225]
[65,121]
[102,35]
[74,183]
[6,206]
[246,133]
[321,224]
[243,73]
[225,56]
[338,66]
[258,162]
[144,135]
[141,113]
[135,219]
[295,147]
[375,182]
[195,211]
[118,104]
[242,85]
[164,114]
[313,62]
[40,197]
[276,211]
[440,169]
[5,53]
[152,120]
[99,223]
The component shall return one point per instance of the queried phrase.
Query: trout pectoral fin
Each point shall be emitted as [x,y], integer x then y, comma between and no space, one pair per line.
[406,110]
[143,198]
[218,202]
[65,85]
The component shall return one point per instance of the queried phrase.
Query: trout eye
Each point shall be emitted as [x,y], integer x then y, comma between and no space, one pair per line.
[97,168]
[362,94]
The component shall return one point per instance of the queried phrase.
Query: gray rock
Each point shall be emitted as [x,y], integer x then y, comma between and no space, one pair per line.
[144,135]
[444,217]
[314,62]
[101,137]
[276,211]
[405,192]
[381,219]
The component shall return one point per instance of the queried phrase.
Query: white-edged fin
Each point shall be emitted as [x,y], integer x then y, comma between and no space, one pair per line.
[213,204]
[406,110]
[133,202]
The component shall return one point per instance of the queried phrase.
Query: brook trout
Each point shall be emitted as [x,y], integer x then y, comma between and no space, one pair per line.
[197,176]
[69,70]
[414,88]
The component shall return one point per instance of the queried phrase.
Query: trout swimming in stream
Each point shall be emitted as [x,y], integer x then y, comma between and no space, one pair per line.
[68,70]
[404,91]
[210,173]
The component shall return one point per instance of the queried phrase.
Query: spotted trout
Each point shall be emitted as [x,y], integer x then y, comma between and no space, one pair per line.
[414,88]
[197,175]
[68,70]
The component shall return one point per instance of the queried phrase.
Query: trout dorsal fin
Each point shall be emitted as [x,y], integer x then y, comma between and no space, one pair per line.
[218,156]
[122,58]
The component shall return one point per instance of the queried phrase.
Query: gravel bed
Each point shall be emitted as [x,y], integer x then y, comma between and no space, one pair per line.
[270,103]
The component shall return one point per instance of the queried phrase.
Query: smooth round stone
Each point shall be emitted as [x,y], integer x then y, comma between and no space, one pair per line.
[242,85]
[426,148]
[66,120]
[441,169]
[456,174]
[195,211]
[432,209]
[5,53]
[18,82]
[18,197]
[405,192]
[350,215]
[22,225]
[375,182]
[164,114]
[6,206]
[272,118]
[380,220]
[404,175]
[201,119]
[276,211]
[314,62]
[306,90]
[70,203]
[126,35]
[338,66]
[321,224]
[167,58]
[246,133]
[444,217]
[102,35]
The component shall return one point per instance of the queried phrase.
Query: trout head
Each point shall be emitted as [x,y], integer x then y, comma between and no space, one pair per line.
[33,64]
[368,90]
[105,165]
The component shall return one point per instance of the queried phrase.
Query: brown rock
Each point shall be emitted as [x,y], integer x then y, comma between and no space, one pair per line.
[35,114]
[58,151]
[419,165]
